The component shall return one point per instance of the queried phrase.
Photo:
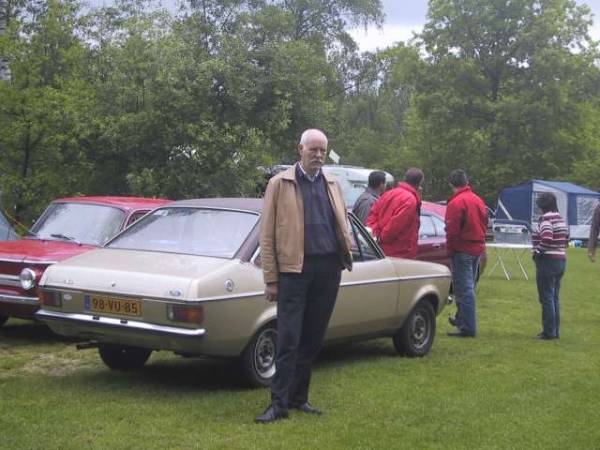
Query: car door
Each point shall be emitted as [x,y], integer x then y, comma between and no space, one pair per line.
[367,298]
[432,240]
[441,255]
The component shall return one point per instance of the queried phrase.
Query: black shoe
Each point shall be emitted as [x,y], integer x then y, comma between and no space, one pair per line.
[545,337]
[452,321]
[308,409]
[272,414]
[460,334]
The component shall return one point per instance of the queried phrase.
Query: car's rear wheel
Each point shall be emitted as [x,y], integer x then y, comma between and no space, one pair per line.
[258,359]
[416,335]
[3,320]
[119,357]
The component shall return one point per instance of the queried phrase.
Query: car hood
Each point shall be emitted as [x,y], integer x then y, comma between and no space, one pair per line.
[40,250]
[141,274]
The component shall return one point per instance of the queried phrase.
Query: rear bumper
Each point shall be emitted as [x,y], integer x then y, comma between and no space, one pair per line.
[123,331]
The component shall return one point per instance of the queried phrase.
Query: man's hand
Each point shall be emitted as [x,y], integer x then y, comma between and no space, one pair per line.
[592,257]
[271,292]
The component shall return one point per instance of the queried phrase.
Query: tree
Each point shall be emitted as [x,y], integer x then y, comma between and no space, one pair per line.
[44,105]
[500,93]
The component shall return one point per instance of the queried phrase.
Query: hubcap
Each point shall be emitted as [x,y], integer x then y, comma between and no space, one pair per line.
[264,353]
[420,330]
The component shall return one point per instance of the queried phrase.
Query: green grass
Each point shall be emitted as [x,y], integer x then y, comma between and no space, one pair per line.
[502,390]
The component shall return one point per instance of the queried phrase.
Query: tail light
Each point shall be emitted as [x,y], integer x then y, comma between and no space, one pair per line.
[189,314]
[50,298]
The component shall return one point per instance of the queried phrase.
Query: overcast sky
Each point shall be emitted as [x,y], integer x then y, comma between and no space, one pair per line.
[403,17]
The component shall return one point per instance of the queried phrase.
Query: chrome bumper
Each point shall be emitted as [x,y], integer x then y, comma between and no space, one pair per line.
[123,324]
[18,300]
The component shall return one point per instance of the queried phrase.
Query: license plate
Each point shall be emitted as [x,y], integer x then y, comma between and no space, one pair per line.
[112,305]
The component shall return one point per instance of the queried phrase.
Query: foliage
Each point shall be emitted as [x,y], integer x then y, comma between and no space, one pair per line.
[135,99]
[499,92]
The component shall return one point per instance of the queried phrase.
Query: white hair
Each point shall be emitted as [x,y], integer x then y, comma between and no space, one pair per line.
[310,133]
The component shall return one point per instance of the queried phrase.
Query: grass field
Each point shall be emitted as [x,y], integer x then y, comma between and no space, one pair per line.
[502,390]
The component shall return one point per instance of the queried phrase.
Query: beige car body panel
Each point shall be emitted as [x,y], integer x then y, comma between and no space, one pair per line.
[374,299]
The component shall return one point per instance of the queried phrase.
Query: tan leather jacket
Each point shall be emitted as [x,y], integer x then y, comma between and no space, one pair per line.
[282,225]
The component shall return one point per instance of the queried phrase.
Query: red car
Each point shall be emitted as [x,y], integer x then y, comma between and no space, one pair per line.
[432,236]
[68,227]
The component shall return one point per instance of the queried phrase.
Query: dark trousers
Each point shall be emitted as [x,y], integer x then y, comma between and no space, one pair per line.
[305,302]
[548,276]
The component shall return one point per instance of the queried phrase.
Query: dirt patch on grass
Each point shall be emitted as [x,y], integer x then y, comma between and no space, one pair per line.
[52,362]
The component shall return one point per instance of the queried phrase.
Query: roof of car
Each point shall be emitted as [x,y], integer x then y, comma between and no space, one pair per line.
[122,202]
[435,208]
[247,204]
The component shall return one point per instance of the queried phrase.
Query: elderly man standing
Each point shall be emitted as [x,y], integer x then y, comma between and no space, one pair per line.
[304,246]
[395,218]
[466,224]
[364,203]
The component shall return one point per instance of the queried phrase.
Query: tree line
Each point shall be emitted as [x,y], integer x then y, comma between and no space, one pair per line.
[134,99]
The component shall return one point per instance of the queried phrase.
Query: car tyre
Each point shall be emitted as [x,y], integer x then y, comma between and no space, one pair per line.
[3,320]
[119,357]
[258,358]
[416,335]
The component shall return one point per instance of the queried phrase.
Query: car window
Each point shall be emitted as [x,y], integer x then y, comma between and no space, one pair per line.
[427,229]
[362,250]
[440,226]
[189,230]
[136,216]
[79,222]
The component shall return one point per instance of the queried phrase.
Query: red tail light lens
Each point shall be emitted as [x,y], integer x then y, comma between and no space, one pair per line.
[190,314]
[50,298]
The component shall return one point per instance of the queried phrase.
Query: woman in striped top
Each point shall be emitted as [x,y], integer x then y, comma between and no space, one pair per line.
[549,253]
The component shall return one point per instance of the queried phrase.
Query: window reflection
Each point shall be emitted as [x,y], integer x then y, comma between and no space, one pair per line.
[79,222]
[194,231]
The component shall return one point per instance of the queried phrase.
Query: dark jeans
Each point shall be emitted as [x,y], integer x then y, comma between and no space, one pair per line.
[464,274]
[305,302]
[549,272]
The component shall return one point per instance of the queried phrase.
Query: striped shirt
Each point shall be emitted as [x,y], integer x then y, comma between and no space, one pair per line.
[551,237]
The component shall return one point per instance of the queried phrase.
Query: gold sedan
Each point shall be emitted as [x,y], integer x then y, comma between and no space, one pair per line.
[187,278]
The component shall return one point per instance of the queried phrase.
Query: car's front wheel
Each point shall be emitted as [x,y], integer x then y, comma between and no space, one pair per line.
[3,320]
[258,359]
[119,357]
[416,335]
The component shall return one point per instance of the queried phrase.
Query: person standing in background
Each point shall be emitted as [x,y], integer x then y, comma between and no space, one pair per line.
[395,218]
[594,230]
[549,253]
[363,204]
[466,224]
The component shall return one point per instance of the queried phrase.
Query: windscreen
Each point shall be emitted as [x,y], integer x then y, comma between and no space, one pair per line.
[79,222]
[188,230]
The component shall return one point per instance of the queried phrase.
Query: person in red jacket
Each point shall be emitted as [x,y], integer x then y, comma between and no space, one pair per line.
[466,223]
[395,218]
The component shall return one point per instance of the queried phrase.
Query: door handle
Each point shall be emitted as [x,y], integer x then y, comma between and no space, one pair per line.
[436,245]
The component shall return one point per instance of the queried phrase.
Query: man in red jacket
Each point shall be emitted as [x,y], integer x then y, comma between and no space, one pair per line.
[395,217]
[466,223]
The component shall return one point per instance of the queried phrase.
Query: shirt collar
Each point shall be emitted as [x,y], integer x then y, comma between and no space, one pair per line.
[373,192]
[307,176]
